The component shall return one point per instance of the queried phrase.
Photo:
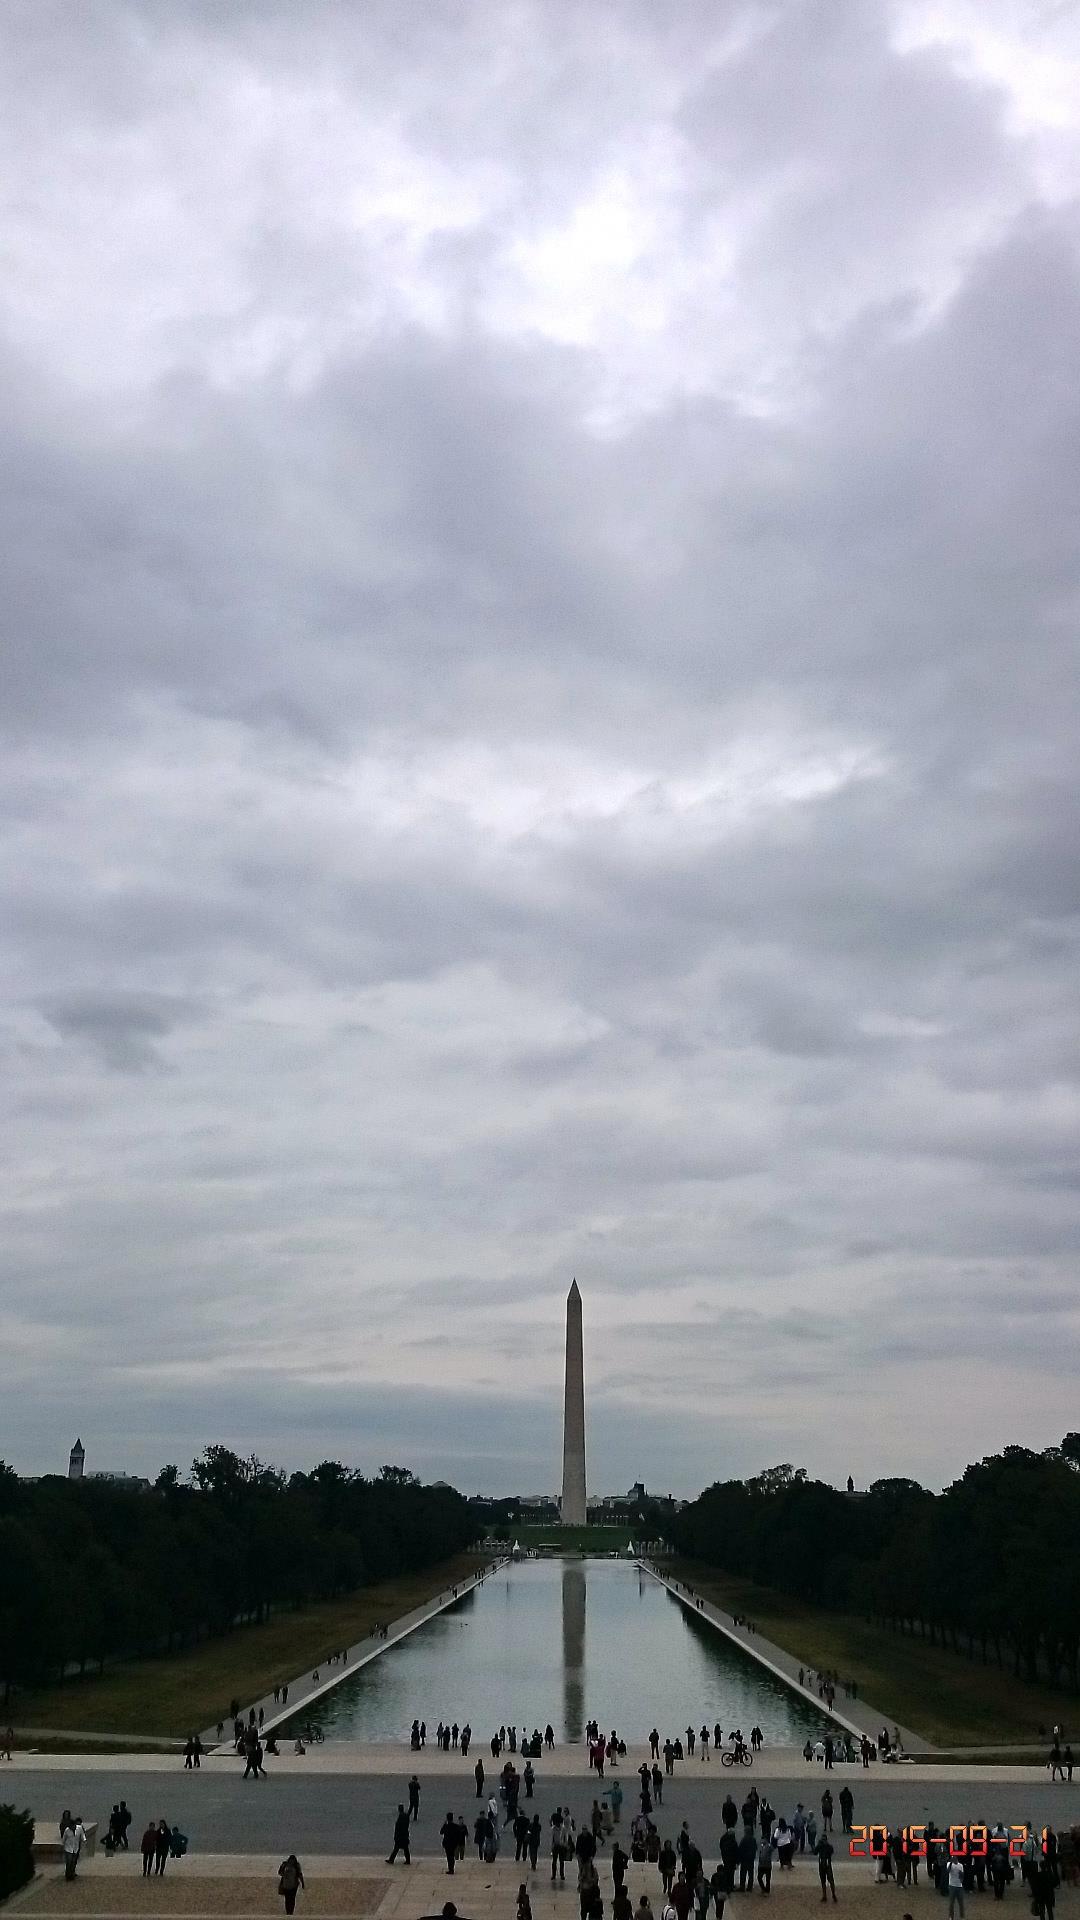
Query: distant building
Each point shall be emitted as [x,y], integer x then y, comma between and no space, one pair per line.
[119,1479]
[76,1459]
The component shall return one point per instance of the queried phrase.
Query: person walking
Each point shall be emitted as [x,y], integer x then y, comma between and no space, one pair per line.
[536,1834]
[73,1836]
[161,1848]
[764,1865]
[401,1838]
[290,1880]
[147,1846]
[668,1862]
[448,1834]
[414,1797]
[824,1851]
[524,1904]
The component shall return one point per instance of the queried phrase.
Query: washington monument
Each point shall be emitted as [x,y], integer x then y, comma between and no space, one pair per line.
[573,1455]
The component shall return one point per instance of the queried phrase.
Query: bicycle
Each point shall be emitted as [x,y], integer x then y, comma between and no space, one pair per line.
[738,1757]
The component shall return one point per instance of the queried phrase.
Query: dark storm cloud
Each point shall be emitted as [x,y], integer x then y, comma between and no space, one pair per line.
[540,718]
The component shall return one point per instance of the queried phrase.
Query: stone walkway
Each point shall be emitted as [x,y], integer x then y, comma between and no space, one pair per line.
[305,1689]
[856,1716]
[244,1887]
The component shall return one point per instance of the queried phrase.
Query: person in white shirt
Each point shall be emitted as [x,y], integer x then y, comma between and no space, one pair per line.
[956,1887]
[74,1836]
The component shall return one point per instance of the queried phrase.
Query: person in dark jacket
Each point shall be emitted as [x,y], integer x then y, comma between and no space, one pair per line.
[290,1879]
[401,1837]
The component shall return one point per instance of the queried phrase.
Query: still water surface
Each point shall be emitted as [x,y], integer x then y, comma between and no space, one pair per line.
[564,1640]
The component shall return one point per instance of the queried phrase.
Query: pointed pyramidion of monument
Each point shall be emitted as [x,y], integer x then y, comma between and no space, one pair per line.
[573,1509]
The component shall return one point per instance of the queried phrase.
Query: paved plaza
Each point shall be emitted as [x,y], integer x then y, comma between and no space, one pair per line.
[334,1809]
[245,1888]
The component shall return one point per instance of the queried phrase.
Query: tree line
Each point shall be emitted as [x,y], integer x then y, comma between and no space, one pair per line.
[990,1567]
[92,1571]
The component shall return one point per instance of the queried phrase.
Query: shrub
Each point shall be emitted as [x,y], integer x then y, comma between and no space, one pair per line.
[16,1850]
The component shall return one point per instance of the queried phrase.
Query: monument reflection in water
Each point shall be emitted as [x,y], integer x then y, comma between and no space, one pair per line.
[573,1649]
[562,1640]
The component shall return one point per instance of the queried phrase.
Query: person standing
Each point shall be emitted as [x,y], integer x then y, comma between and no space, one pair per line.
[147,1846]
[161,1848]
[73,1836]
[290,1880]
[847,1807]
[826,1811]
[478,1776]
[401,1838]
[414,1798]
[729,1855]
[747,1855]
[954,1874]
[448,1834]
[9,1736]
[535,1837]
[558,1838]
[824,1851]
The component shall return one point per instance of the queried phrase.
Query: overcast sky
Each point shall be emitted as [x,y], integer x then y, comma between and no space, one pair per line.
[539,732]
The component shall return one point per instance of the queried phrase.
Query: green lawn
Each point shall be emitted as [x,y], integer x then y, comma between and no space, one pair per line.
[186,1691]
[950,1700]
[574,1539]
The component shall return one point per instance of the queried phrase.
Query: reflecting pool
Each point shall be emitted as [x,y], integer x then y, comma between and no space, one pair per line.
[564,1640]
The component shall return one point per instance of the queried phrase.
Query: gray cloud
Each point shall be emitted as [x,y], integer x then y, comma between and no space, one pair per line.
[539,733]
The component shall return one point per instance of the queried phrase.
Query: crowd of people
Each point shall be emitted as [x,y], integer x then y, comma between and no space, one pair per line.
[836,1745]
[746,1857]
[160,1843]
[984,1859]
